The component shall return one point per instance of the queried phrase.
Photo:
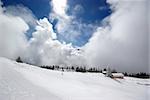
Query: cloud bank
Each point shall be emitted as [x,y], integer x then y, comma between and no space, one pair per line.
[121,43]
[12,37]
[42,49]
[45,49]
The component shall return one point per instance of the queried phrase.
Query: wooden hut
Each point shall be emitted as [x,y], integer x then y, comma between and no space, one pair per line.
[117,75]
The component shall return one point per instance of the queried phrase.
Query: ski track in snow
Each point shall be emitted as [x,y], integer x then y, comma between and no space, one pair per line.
[26,82]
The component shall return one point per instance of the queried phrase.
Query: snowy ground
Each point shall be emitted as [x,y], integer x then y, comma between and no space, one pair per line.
[26,82]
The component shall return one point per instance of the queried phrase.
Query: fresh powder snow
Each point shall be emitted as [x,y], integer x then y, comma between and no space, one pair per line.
[19,81]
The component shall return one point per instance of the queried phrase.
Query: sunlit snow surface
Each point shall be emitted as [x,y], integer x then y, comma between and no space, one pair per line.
[26,82]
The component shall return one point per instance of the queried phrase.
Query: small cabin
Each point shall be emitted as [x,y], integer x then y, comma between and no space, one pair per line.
[117,75]
[104,72]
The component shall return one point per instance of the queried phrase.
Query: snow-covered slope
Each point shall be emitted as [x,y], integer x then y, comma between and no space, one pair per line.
[26,82]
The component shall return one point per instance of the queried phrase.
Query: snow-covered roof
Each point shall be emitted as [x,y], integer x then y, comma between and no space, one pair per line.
[117,75]
[104,72]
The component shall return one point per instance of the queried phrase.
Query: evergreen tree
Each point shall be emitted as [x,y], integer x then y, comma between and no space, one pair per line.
[19,60]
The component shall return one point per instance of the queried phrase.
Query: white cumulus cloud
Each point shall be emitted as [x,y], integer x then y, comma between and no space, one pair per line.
[123,44]
[45,49]
[12,38]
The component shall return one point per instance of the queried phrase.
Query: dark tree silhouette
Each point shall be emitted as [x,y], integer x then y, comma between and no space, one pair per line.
[104,69]
[19,60]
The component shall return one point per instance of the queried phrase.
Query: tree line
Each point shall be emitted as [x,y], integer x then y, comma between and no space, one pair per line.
[73,68]
[137,75]
[84,69]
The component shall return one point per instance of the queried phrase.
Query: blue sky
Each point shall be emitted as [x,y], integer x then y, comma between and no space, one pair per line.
[40,8]
[93,12]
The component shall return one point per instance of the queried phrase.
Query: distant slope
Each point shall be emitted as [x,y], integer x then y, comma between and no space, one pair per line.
[25,82]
